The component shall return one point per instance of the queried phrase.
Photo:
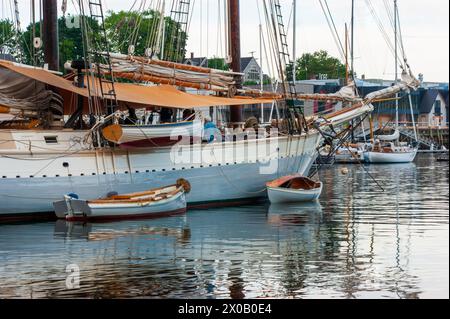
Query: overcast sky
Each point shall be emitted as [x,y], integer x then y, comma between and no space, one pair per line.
[425,26]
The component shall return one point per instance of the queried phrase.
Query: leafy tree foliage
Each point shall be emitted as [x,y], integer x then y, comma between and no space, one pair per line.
[7,34]
[218,64]
[141,29]
[311,65]
[70,40]
[123,29]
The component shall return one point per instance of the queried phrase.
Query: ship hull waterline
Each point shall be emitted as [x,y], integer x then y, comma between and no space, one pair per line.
[214,184]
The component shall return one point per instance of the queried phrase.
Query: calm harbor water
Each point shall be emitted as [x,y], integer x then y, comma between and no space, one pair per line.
[359,242]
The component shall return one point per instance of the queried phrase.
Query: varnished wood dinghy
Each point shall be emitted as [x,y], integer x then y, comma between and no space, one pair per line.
[294,189]
[165,201]
[149,136]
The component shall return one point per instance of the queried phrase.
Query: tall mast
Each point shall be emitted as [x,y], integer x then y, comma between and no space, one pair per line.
[235,52]
[396,63]
[352,49]
[50,34]
[294,46]
[261,74]
[346,55]
[352,53]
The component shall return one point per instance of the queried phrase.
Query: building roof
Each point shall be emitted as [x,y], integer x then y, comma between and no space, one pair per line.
[245,62]
[337,82]
[202,61]
[428,100]
[320,82]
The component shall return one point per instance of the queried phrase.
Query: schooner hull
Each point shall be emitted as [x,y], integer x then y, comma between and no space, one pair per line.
[33,185]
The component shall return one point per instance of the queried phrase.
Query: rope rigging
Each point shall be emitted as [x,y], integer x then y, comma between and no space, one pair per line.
[332,26]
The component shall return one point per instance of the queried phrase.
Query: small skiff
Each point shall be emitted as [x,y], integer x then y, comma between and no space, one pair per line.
[165,201]
[294,189]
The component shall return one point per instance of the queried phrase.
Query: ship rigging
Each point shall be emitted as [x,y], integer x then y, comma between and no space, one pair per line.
[42,159]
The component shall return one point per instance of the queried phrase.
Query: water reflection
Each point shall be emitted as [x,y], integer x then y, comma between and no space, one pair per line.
[295,214]
[100,232]
[358,242]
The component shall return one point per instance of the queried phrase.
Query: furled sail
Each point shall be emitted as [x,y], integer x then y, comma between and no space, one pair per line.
[139,69]
[163,72]
[388,138]
[346,94]
[25,98]
[409,82]
[142,95]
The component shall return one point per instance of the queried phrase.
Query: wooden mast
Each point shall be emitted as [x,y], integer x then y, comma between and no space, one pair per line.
[235,52]
[294,45]
[346,56]
[396,65]
[50,34]
[352,48]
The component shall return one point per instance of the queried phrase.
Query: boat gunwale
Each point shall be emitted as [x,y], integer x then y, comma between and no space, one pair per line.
[296,191]
[173,194]
[277,184]
[139,127]
[137,151]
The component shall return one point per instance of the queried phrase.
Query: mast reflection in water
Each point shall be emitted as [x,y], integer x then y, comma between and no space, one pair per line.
[357,243]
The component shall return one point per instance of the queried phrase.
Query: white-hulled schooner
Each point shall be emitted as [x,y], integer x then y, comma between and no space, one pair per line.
[42,158]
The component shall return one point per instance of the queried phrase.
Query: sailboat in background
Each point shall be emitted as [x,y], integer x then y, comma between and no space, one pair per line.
[388,149]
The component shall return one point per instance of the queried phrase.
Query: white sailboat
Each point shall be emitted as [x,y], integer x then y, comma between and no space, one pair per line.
[387,149]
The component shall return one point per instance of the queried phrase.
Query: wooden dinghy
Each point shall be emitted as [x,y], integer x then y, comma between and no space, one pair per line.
[165,201]
[148,136]
[294,189]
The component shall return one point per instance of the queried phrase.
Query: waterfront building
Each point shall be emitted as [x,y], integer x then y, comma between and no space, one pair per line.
[249,67]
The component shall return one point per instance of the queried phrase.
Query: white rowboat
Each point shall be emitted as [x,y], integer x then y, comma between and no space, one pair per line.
[159,202]
[294,189]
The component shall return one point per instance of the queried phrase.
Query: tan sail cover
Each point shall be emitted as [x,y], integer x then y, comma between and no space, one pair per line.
[164,95]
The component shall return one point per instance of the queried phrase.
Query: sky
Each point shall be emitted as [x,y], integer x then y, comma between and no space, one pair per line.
[425,27]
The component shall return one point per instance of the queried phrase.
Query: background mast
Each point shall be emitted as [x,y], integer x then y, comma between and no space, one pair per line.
[396,63]
[294,46]
[235,52]
[50,34]
[352,48]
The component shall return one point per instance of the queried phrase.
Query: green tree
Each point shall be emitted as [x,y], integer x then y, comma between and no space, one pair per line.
[311,65]
[70,40]
[7,34]
[218,64]
[141,30]
[30,55]
[123,29]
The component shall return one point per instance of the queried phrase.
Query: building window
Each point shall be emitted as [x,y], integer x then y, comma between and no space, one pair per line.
[437,108]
